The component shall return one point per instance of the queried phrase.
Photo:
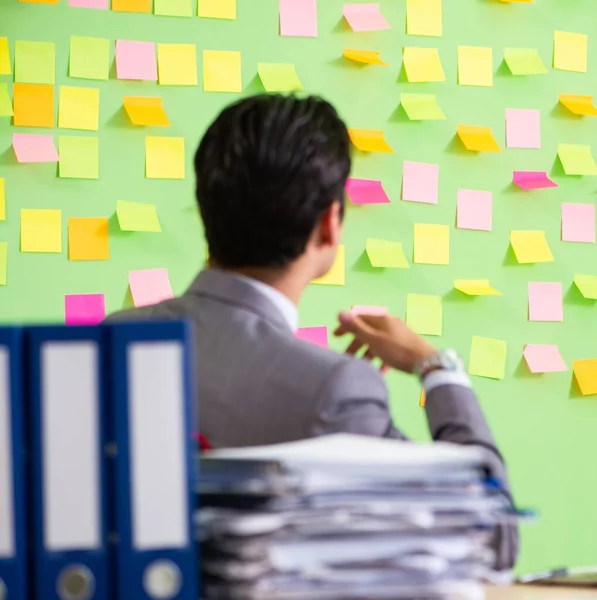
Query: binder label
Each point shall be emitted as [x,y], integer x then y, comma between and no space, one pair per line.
[7,541]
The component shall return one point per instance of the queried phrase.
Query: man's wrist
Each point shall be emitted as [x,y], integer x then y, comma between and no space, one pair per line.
[442,360]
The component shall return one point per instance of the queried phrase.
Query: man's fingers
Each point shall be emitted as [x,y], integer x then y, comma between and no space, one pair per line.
[355,325]
[354,347]
[384,369]
[369,355]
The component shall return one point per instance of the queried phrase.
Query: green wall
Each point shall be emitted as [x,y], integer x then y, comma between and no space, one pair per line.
[547,432]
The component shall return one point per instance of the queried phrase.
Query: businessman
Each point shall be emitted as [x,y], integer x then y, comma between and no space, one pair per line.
[271,172]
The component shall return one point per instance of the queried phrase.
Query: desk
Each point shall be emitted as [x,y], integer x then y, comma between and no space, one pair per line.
[526,592]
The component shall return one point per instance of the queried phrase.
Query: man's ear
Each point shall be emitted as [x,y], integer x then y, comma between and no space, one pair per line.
[330,225]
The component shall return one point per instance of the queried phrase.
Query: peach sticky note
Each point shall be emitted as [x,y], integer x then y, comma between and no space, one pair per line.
[474,210]
[95,4]
[145,111]
[475,66]
[578,222]
[523,128]
[422,65]
[150,286]
[79,108]
[570,51]
[475,287]
[420,182]
[585,373]
[365,17]
[41,230]
[477,139]
[366,191]
[579,105]
[424,17]
[545,301]
[530,246]
[431,244]
[136,61]
[164,158]
[369,140]
[84,309]
[138,6]
[532,180]
[544,358]
[33,105]
[367,57]
[337,274]
[177,64]
[314,335]
[298,18]
[88,239]
[374,311]
[30,148]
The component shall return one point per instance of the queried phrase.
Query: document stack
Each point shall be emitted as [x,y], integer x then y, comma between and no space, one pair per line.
[346,517]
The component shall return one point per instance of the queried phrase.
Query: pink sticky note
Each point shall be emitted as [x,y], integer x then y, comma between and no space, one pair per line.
[150,286]
[544,358]
[545,302]
[34,148]
[578,222]
[99,4]
[533,180]
[420,182]
[136,61]
[474,210]
[366,191]
[365,17]
[84,309]
[523,128]
[298,18]
[375,311]
[315,335]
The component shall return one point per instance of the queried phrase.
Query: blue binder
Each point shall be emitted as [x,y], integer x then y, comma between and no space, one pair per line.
[69,495]
[13,530]
[151,407]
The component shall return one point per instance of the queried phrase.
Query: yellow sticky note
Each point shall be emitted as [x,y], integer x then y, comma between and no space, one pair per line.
[432,244]
[88,239]
[279,77]
[177,64]
[5,68]
[424,17]
[577,159]
[477,139]
[579,105]
[145,111]
[475,287]
[488,357]
[368,57]
[423,65]
[424,314]
[79,108]
[587,285]
[530,246]
[369,140]
[2,199]
[585,372]
[337,274]
[3,262]
[385,254]
[222,71]
[217,9]
[570,51]
[421,107]
[137,216]
[41,230]
[137,6]
[164,158]
[5,102]
[33,105]
[79,157]
[475,66]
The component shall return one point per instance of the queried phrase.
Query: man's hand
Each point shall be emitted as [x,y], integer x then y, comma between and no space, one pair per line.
[384,337]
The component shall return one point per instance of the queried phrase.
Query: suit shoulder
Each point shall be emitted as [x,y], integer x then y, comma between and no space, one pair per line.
[169,309]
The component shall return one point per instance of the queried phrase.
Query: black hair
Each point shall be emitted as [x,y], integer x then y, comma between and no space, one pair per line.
[267,169]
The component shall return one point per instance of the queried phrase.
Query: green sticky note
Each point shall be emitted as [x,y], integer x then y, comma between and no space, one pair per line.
[3,262]
[524,61]
[424,314]
[174,8]
[89,58]
[577,159]
[137,216]
[79,157]
[279,77]
[421,107]
[587,285]
[35,62]
[5,103]
[383,253]
[2,199]
[488,357]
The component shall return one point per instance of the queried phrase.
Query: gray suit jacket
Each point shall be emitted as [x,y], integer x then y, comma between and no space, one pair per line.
[258,384]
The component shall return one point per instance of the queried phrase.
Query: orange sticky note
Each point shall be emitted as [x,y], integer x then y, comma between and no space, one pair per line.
[585,372]
[137,6]
[88,239]
[369,140]
[33,105]
[368,57]
[579,105]
[478,139]
[422,399]
[145,111]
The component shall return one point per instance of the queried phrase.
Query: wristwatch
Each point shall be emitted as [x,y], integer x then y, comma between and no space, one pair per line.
[444,360]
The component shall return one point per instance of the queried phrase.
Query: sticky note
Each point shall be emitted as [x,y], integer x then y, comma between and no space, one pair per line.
[474,210]
[422,399]
[570,51]
[532,180]
[173,8]
[422,65]
[475,287]
[579,105]
[367,57]
[298,18]
[95,4]
[424,314]
[369,140]
[35,62]
[577,159]
[41,230]
[84,309]
[5,102]
[136,61]
[145,111]
[2,199]
[5,67]
[373,311]
[421,107]
[89,58]
[477,139]
[222,71]
[79,108]
[177,64]
[314,335]
[164,158]
[420,182]
[88,239]
[544,358]
[578,222]
[488,357]
[3,262]
[585,372]
[524,61]
[79,157]
[366,191]
[523,128]
[386,254]
[424,17]
[218,9]
[337,274]
[587,285]
[137,216]
[30,148]
[279,77]
[545,301]
[150,286]
[431,244]
[530,247]
[33,105]
[137,6]
[475,66]
[365,17]
[39,1]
